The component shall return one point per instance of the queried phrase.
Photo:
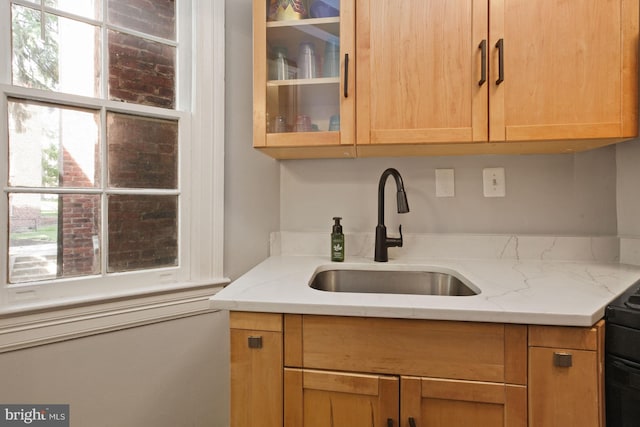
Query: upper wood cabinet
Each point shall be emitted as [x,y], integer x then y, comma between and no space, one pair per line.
[495,76]
[419,67]
[570,69]
[304,81]
[433,77]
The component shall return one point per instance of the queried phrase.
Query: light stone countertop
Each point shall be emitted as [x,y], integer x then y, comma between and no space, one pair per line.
[570,292]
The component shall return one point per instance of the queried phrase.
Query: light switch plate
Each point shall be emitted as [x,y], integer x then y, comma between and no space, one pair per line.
[494,182]
[445,183]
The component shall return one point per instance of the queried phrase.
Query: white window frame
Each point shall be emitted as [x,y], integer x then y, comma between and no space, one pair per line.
[201,188]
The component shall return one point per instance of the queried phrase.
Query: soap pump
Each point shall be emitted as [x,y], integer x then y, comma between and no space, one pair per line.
[337,241]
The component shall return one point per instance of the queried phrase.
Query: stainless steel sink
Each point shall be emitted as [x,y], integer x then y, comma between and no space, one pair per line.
[392,282]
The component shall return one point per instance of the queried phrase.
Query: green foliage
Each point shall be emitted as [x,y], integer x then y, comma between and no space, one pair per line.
[50,169]
[35,65]
[35,48]
[35,55]
[45,234]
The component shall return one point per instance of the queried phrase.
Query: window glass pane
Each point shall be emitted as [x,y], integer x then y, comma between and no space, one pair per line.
[141,71]
[143,152]
[143,232]
[87,8]
[53,236]
[60,54]
[154,17]
[65,140]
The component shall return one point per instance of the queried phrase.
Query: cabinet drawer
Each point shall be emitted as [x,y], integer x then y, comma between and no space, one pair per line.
[567,336]
[439,349]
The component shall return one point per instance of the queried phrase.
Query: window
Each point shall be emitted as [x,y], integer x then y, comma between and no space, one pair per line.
[99,173]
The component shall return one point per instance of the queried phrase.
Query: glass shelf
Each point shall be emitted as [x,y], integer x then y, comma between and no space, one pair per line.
[298,82]
[304,82]
[333,22]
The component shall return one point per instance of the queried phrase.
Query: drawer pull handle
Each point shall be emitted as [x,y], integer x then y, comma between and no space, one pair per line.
[346,75]
[483,72]
[500,46]
[412,422]
[389,422]
[255,342]
[562,360]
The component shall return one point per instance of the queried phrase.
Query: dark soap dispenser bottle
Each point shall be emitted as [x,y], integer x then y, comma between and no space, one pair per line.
[337,241]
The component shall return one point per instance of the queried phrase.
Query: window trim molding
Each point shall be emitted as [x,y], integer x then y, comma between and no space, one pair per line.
[203,188]
[42,326]
[207,163]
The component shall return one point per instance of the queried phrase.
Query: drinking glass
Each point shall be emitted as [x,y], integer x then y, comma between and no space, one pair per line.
[307,61]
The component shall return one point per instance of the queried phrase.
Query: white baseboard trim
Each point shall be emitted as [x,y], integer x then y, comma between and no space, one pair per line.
[50,326]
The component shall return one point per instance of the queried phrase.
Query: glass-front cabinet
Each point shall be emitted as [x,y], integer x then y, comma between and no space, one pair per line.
[304,78]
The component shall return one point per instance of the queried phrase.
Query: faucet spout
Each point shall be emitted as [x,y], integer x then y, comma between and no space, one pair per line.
[382,241]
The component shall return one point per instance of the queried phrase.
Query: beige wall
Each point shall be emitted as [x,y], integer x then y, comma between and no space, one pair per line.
[252,203]
[628,178]
[162,375]
[545,194]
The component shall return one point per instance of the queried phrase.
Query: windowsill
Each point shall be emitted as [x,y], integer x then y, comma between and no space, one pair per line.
[37,307]
[32,324]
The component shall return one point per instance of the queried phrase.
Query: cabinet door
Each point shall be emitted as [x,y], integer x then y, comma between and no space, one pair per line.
[303,80]
[419,72]
[564,396]
[428,402]
[256,370]
[570,69]
[322,398]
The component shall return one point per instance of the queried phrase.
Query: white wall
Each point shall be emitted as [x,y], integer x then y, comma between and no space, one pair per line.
[546,194]
[167,374]
[628,176]
[252,203]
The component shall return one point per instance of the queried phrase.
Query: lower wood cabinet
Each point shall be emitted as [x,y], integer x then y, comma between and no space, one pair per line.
[256,369]
[321,371]
[326,398]
[566,374]
[436,402]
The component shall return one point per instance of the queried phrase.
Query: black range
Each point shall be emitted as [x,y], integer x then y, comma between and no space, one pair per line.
[622,359]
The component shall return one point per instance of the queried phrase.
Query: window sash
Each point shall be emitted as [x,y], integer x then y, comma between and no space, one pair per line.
[184,127]
[190,269]
[183,32]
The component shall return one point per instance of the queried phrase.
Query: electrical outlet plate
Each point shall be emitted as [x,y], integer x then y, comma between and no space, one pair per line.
[494,182]
[445,183]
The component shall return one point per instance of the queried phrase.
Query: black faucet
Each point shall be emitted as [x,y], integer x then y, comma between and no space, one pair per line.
[382,241]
